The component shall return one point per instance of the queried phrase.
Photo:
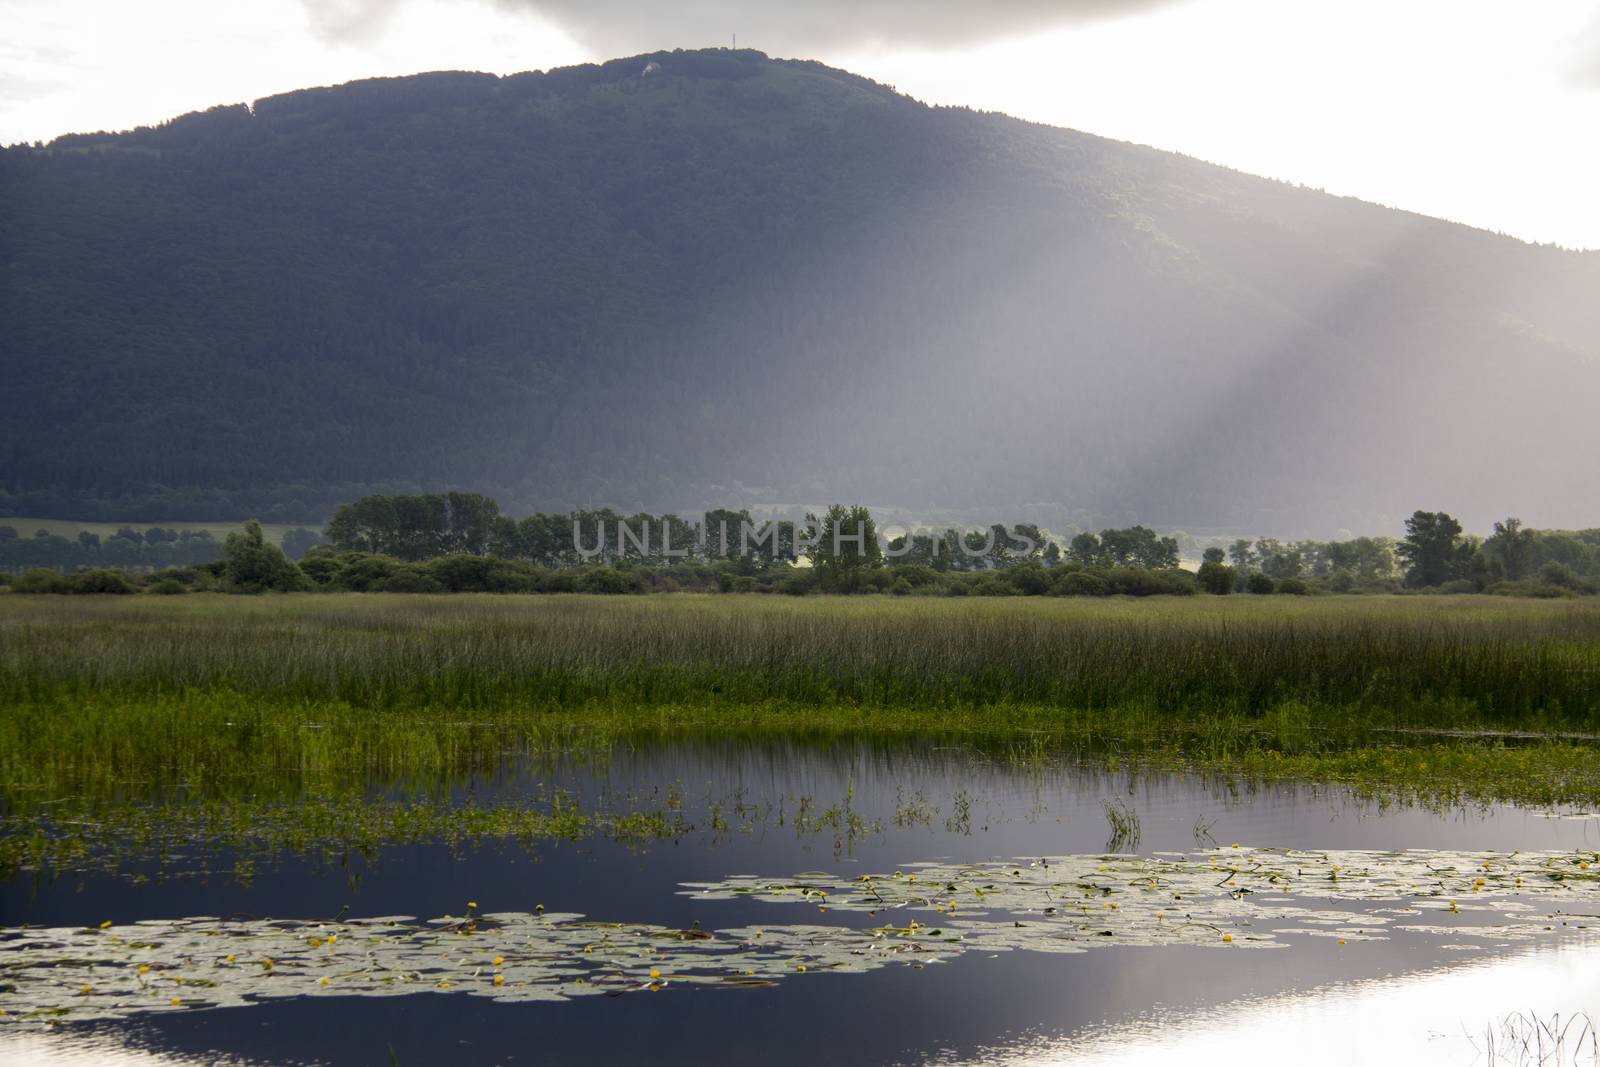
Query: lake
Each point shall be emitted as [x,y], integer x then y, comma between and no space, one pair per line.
[837,902]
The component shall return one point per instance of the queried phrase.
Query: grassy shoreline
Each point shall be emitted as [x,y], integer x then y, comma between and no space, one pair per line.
[226,698]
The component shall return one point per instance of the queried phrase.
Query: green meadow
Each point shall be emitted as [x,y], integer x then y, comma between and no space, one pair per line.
[212,697]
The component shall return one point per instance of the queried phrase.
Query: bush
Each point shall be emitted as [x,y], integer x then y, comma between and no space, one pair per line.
[607,579]
[801,582]
[1029,579]
[1559,574]
[1293,587]
[167,587]
[877,581]
[1216,578]
[323,565]
[991,585]
[408,580]
[917,575]
[101,580]
[357,572]
[484,574]
[250,565]
[1136,581]
[558,582]
[1080,583]
[901,587]
[1259,584]
[1457,587]
[40,580]
[1528,588]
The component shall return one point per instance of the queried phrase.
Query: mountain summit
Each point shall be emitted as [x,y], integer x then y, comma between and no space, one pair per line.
[702,278]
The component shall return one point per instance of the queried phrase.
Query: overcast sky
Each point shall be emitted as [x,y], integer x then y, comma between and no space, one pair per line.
[1483,112]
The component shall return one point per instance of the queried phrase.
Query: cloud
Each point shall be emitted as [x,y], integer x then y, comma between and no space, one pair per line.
[783,27]
[1585,69]
[351,21]
[790,28]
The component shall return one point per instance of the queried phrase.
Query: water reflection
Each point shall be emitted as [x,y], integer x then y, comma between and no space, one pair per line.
[843,809]
[1477,1013]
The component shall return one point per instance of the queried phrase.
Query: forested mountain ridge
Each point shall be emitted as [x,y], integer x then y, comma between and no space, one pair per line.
[742,281]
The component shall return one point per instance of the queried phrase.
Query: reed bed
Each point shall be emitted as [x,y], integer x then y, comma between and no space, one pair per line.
[109,694]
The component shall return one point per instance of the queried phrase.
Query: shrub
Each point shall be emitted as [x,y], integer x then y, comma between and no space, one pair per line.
[323,565]
[1029,579]
[40,580]
[1216,578]
[1528,588]
[901,587]
[916,574]
[877,581]
[991,585]
[250,565]
[802,581]
[167,587]
[1457,586]
[606,579]
[408,580]
[558,582]
[101,580]
[1080,583]
[484,574]
[1136,581]
[1559,574]
[1293,587]
[1259,584]
[358,571]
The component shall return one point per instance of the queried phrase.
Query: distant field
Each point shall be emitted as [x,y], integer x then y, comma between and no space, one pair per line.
[70,528]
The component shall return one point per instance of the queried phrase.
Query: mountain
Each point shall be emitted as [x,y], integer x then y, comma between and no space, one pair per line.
[703,278]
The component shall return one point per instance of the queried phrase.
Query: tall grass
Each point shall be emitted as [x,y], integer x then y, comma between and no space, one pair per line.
[211,689]
[1507,661]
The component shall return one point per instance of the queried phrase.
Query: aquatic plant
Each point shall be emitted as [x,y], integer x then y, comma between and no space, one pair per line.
[1228,899]
[1124,822]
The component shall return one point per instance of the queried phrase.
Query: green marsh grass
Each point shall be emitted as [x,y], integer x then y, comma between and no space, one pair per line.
[284,696]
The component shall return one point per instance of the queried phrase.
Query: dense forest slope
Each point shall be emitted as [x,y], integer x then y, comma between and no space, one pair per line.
[735,280]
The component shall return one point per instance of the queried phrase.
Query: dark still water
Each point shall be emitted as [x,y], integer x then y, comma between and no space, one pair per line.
[837,903]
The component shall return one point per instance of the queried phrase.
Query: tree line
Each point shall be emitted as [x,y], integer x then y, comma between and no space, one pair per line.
[152,549]
[460,542]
